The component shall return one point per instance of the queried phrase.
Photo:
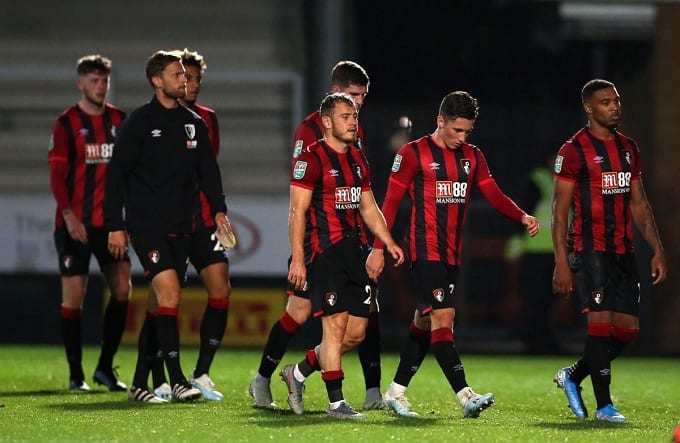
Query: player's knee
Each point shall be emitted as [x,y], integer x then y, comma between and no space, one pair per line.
[298,310]
[353,339]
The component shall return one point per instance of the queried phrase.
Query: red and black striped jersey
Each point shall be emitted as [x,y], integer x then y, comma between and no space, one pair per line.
[79,152]
[602,171]
[439,181]
[337,181]
[203,215]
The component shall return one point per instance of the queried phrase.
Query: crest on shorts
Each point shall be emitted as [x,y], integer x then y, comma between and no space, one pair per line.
[598,297]
[438,294]
[155,256]
[68,261]
[331,298]
[190,129]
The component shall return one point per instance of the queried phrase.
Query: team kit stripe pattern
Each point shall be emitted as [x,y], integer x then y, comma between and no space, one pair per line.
[334,210]
[204,217]
[87,142]
[440,195]
[606,168]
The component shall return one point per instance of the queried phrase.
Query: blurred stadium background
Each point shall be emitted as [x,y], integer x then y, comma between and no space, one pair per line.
[268,66]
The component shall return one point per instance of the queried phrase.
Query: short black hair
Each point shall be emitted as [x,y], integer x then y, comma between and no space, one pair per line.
[590,88]
[347,73]
[158,61]
[331,100]
[459,104]
[192,58]
[93,63]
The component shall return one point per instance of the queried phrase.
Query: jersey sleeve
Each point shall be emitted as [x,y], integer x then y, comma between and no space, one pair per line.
[58,162]
[567,163]
[305,172]
[482,171]
[404,170]
[304,136]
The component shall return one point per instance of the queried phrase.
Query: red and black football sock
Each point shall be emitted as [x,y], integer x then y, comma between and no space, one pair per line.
[412,354]
[277,343]
[168,339]
[369,353]
[597,356]
[333,381]
[447,356]
[309,364]
[213,325]
[112,331]
[71,333]
[618,341]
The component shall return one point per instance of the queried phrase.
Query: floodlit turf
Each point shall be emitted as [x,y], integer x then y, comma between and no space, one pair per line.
[36,405]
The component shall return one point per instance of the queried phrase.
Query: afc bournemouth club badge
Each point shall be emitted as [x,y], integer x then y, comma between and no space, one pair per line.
[438,294]
[598,297]
[331,298]
[155,256]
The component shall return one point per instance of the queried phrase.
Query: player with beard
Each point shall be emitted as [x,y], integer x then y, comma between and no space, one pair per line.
[598,175]
[350,78]
[164,155]
[330,193]
[207,255]
[80,149]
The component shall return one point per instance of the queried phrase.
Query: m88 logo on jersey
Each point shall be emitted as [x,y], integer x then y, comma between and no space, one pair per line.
[347,197]
[448,191]
[615,182]
[98,152]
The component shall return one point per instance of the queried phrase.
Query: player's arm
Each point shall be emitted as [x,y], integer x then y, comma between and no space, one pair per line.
[375,222]
[300,199]
[506,206]
[393,197]
[644,220]
[59,165]
[562,197]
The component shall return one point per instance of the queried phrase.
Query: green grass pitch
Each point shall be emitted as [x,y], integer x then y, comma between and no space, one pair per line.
[35,404]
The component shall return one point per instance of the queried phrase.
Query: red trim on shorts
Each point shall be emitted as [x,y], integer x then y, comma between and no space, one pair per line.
[441,335]
[625,335]
[70,312]
[599,329]
[218,303]
[318,313]
[289,325]
[333,375]
[418,333]
[172,312]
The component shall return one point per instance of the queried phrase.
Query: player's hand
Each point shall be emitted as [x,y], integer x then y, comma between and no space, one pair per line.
[117,244]
[659,269]
[397,254]
[297,274]
[375,263]
[531,223]
[76,228]
[563,280]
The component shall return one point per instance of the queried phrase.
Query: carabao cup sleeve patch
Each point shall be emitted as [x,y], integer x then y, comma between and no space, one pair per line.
[397,163]
[299,169]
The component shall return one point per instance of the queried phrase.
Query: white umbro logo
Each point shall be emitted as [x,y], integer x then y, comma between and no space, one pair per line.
[156,133]
[334,172]
[598,159]
[434,165]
